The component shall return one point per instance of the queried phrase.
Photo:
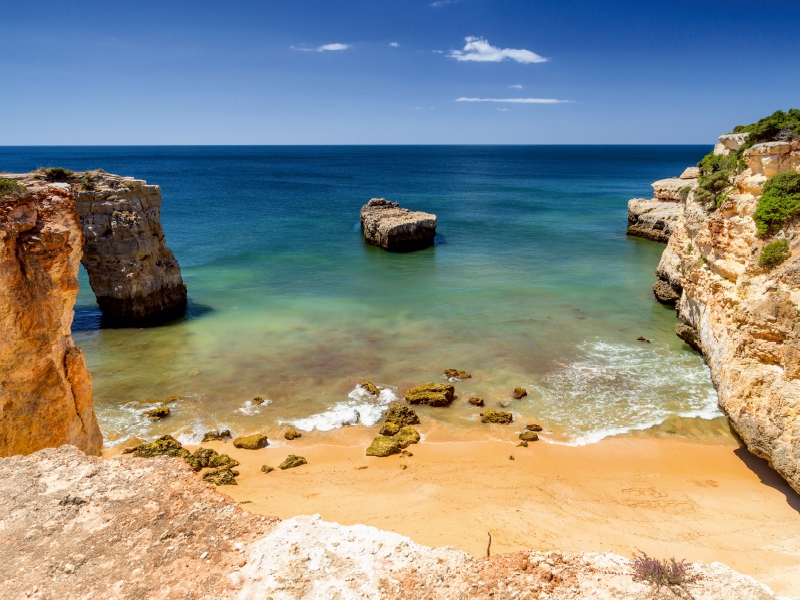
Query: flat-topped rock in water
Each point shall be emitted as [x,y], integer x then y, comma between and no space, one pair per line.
[653,219]
[396,229]
[135,277]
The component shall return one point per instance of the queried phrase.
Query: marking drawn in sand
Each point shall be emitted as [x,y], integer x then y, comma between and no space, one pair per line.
[652,498]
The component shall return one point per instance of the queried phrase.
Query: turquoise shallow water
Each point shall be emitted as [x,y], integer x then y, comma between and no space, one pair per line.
[532,283]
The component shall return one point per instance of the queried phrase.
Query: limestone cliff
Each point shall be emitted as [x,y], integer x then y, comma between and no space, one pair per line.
[135,277]
[655,219]
[45,388]
[743,317]
[396,229]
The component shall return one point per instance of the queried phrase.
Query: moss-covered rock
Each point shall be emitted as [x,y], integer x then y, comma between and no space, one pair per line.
[456,374]
[533,427]
[166,445]
[401,415]
[215,436]
[157,413]
[496,416]
[523,444]
[477,401]
[383,446]
[222,460]
[520,393]
[221,476]
[251,442]
[389,429]
[407,436]
[432,394]
[267,469]
[292,434]
[292,461]
[528,436]
[204,455]
[370,388]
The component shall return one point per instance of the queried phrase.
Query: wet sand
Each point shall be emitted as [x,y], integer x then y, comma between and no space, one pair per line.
[698,501]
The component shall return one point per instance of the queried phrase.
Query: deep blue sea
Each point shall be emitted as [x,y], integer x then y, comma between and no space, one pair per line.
[532,283]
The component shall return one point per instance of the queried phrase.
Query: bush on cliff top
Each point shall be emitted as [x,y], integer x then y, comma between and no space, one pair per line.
[779,202]
[774,253]
[10,188]
[55,174]
[778,126]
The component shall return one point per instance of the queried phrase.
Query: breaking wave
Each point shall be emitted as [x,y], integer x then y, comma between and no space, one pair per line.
[362,407]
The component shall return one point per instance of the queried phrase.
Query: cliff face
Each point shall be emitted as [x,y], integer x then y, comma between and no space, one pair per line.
[135,277]
[742,317]
[655,219]
[45,388]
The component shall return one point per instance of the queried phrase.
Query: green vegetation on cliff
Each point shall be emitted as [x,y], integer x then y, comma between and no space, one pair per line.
[779,202]
[774,253]
[10,188]
[778,126]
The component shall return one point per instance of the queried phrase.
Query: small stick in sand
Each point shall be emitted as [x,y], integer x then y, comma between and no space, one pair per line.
[489,546]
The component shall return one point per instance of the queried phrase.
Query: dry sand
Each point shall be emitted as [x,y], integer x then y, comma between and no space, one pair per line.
[690,500]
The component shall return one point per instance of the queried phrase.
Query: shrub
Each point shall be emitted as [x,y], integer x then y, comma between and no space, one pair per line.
[711,188]
[778,126]
[779,202]
[774,253]
[661,572]
[55,174]
[10,188]
[713,163]
[87,182]
[786,183]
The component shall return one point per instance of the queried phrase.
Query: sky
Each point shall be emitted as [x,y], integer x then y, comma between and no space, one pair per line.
[392,71]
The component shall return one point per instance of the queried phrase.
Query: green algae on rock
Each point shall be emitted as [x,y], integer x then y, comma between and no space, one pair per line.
[157,413]
[432,394]
[166,445]
[496,416]
[251,442]
[292,434]
[522,444]
[267,469]
[389,429]
[519,393]
[383,446]
[477,401]
[456,374]
[370,388]
[214,435]
[407,436]
[528,436]
[533,427]
[221,476]
[292,461]
[401,415]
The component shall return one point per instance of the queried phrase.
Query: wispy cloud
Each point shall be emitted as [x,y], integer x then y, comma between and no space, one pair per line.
[394,45]
[480,50]
[516,100]
[440,3]
[438,51]
[504,109]
[325,48]
[516,87]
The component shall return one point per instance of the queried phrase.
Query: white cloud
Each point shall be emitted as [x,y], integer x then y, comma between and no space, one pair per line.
[438,51]
[515,100]
[329,47]
[516,87]
[440,3]
[394,45]
[479,50]
[504,109]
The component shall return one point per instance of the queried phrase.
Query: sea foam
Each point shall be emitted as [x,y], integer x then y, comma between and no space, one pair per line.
[362,407]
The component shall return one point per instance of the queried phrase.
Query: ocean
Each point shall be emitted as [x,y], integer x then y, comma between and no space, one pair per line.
[532,283]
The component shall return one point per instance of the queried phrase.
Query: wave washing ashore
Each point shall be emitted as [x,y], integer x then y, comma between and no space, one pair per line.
[531,283]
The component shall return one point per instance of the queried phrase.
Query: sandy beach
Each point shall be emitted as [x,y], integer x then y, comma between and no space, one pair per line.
[693,500]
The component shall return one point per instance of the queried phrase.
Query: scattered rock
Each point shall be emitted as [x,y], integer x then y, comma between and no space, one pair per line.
[401,414]
[406,453]
[370,388]
[166,445]
[221,476]
[259,400]
[396,229]
[292,434]
[214,435]
[522,444]
[511,457]
[477,401]
[407,436]
[267,469]
[389,429]
[251,442]
[496,416]
[665,292]
[642,339]
[292,461]
[519,393]
[533,427]
[383,446]
[528,436]
[452,374]
[157,413]
[432,394]
[404,467]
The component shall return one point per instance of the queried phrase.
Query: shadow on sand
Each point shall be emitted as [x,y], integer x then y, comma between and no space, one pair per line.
[769,476]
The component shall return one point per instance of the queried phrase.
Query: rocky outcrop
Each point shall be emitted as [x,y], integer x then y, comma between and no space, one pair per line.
[135,277]
[45,388]
[655,219]
[742,317]
[80,527]
[396,229]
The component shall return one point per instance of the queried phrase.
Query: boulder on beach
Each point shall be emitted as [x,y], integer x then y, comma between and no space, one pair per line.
[401,415]
[292,461]
[370,388]
[497,416]
[432,394]
[251,442]
[221,476]
[389,429]
[477,401]
[267,469]
[456,374]
[292,434]
[215,436]
[407,436]
[157,414]
[519,393]
[533,427]
[396,229]
[383,446]
[166,445]
[528,436]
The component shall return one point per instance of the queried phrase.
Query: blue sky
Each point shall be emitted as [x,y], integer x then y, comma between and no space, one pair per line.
[392,71]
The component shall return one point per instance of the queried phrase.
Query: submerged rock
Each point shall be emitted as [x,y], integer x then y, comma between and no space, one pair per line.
[407,436]
[292,434]
[477,401]
[496,416]
[259,400]
[370,388]
[221,476]
[383,446]
[251,442]
[214,435]
[528,436]
[533,427]
[292,461]
[401,415]
[456,374]
[519,393]
[157,413]
[396,229]
[432,394]
[389,429]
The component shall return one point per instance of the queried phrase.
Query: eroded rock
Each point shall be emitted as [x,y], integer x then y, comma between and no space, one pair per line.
[456,374]
[383,446]
[519,393]
[652,219]
[401,415]
[496,416]
[432,394]
[396,229]
[407,436]
[292,461]
[251,442]
[292,434]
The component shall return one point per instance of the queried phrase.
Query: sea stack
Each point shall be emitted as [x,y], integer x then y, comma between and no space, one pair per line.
[135,277]
[45,388]
[396,229]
